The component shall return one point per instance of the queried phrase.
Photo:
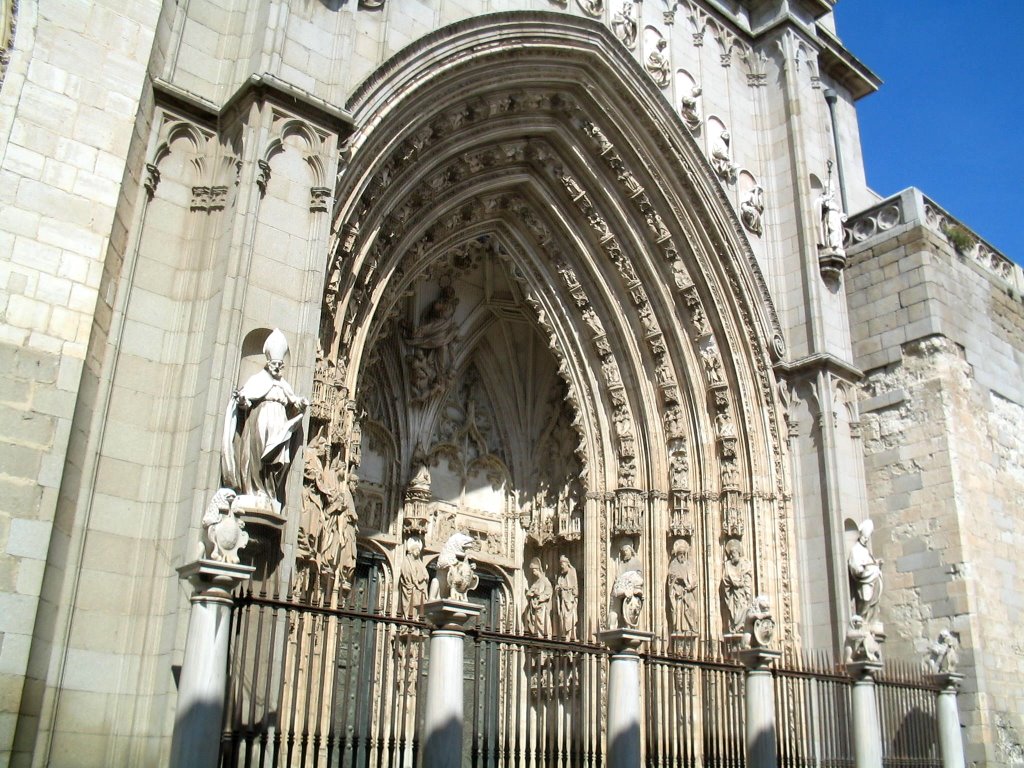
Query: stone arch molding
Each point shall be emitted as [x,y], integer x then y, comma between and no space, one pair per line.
[531,146]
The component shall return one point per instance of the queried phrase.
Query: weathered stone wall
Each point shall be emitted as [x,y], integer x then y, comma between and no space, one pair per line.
[939,339]
[68,109]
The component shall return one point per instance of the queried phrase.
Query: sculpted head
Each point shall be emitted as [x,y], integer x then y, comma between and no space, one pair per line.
[734,550]
[680,549]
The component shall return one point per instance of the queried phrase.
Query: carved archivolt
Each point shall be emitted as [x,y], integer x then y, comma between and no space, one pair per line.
[631,269]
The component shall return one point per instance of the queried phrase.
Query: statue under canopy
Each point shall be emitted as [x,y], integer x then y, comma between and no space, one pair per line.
[262,431]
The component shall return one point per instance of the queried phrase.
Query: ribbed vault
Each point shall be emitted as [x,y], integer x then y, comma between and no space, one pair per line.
[533,144]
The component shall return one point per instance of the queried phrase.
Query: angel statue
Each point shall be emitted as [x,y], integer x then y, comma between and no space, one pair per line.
[262,431]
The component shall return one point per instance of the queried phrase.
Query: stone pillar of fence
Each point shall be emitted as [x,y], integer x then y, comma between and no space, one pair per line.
[443,714]
[202,686]
[760,706]
[625,740]
[951,743]
[867,734]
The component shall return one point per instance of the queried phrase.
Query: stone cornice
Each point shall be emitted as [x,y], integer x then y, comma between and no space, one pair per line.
[819,361]
[258,87]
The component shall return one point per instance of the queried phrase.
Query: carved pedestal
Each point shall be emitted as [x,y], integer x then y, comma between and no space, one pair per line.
[264,523]
[624,732]
[760,707]
[867,735]
[951,743]
[442,721]
[203,683]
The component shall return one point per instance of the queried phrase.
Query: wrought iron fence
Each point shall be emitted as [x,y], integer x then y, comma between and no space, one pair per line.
[907,717]
[337,685]
[322,685]
[534,702]
[694,705]
[813,712]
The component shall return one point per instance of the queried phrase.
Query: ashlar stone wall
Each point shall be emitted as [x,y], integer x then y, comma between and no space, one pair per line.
[942,412]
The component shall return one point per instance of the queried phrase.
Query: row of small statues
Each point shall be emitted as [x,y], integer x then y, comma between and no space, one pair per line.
[456,578]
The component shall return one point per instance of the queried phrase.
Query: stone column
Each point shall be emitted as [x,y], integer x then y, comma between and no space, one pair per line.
[624,734]
[442,732]
[760,707]
[867,735]
[951,743]
[202,686]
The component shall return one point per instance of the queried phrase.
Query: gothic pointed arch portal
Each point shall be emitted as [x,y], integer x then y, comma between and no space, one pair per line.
[542,325]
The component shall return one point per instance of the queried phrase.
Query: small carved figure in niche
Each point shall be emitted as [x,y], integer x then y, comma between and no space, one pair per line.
[680,275]
[591,7]
[724,426]
[752,211]
[628,590]
[445,524]
[689,109]
[537,616]
[263,430]
[730,475]
[682,586]
[225,534]
[942,658]
[624,25]
[567,591]
[658,65]
[830,235]
[865,576]
[610,369]
[721,158]
[456,574]
[412,583]
[712,363]
[430,364]
[737,585]
[861,644]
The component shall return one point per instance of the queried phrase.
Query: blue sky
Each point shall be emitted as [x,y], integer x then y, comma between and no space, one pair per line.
[949,117]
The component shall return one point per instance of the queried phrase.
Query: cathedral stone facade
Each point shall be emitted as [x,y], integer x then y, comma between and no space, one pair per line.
[594,290]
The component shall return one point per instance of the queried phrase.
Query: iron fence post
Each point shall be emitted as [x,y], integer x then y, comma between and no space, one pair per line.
[951,743]
[202,687]
[867,734]
[443,715]
[624,734]
[760,706]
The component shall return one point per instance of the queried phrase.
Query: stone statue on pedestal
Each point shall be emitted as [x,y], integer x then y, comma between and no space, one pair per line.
[689,109]
[942,657]
[412,583]
[865,576]
[861,644]
[752,211]
[567,591]
[737,585]
[537,616]
[456,575]
[225,534]
[830,237]
[721,158]
[262,432]
[682,597]
[627,598]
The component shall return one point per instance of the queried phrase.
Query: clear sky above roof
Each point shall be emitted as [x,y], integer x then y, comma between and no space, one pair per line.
[948,118]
